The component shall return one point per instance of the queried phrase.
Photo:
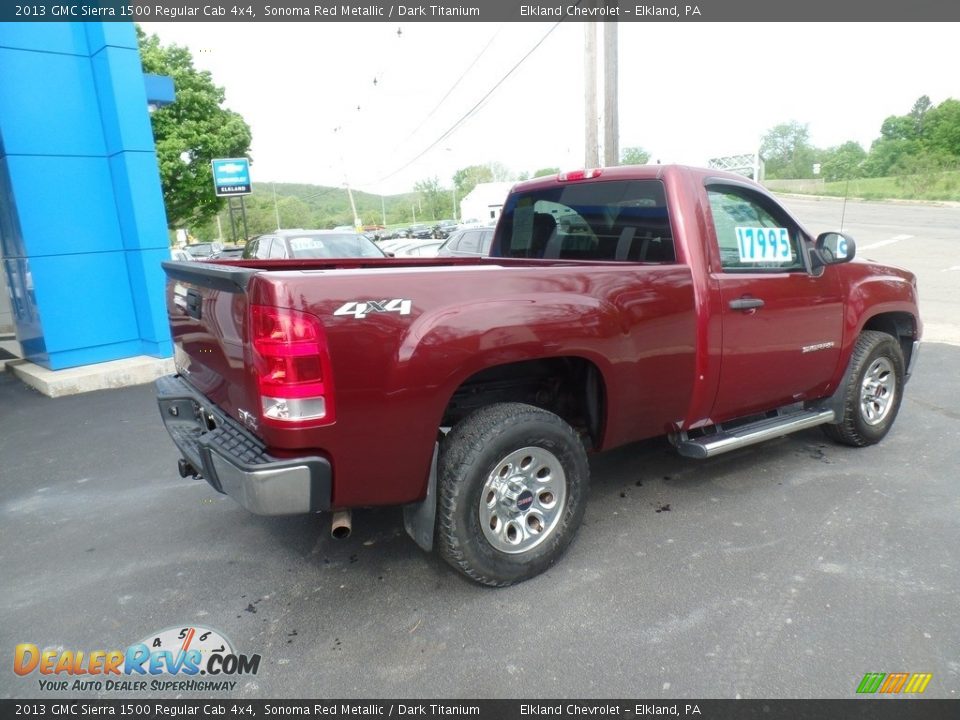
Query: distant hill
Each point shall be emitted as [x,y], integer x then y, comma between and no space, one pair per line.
[330,206]
[313,206]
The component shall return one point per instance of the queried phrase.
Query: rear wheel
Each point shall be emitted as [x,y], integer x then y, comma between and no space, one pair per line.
[873,393]
[513,481]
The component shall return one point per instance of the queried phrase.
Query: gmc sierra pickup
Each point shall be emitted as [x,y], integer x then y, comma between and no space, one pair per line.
[618,304]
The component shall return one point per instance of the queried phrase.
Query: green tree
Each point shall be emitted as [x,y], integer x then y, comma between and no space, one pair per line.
[435,199]
[918,143]
[500,172]
[942,129]
[843,162]
[885,153]
[546,171]
[189,133]
[635,155]
[787,152]
[919,112]
[466,179]
[919,172]
[899,127]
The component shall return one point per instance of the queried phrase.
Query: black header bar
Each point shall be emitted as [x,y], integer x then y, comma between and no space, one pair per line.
[852,11]
[145,709]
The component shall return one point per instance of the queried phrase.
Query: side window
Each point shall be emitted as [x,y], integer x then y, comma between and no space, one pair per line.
[753,233]
[470,242]
[277,250]
[486,242]
[263,248]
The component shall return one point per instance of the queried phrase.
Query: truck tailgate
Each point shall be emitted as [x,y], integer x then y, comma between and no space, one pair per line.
[207,307]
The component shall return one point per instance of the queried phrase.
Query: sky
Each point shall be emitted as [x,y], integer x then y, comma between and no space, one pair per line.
[364,104]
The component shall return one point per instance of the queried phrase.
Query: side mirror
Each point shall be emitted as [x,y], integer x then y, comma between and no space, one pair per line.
[833,248]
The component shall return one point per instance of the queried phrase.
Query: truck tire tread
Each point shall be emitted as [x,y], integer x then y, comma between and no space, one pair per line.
[460,469]
[851,430]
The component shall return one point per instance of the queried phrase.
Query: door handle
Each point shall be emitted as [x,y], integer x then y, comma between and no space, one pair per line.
[746,303]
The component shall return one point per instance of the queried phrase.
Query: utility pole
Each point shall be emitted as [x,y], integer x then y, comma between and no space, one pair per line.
[276,207]
[611,98]
[591,156]
[353,206]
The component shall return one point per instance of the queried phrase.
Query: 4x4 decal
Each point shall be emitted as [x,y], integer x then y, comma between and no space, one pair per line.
[361,308]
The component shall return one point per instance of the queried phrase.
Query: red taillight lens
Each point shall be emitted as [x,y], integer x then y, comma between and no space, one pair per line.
[292,365]
[574,175]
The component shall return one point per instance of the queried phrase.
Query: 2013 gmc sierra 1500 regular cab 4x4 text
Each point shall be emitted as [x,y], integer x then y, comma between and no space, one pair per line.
[618,304]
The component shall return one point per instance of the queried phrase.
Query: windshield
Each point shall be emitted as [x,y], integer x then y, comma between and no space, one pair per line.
[332,246]
[623,220]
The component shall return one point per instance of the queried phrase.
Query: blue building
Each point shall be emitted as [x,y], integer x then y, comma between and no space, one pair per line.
[82,222]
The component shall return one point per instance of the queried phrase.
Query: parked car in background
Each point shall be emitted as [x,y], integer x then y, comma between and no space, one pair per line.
[444,229]
[228,252]
[303,244]
[389,246]
[417,248]
[203,251]
[420,232]
[395,234]
[470,242]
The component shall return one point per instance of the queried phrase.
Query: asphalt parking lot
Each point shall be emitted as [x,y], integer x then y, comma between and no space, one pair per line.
[785,570]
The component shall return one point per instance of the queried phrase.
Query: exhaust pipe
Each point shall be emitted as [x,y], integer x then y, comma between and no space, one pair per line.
[342,524]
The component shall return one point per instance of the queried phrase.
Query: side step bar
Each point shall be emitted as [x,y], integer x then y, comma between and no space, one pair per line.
[755,432]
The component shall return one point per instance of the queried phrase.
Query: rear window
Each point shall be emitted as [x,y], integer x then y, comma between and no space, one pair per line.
[621,220]
[332,246]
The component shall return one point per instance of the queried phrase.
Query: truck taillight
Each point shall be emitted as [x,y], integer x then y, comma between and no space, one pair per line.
[575,175]
[292,363]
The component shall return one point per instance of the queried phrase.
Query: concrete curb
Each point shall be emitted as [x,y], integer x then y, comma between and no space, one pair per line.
[101,376]
[890,201]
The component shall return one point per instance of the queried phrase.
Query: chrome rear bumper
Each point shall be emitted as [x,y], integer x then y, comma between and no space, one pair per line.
[235,462]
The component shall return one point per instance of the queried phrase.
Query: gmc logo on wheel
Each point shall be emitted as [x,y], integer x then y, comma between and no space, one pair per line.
[359,309]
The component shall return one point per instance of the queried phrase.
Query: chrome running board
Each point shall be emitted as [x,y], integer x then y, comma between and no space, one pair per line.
[752,433]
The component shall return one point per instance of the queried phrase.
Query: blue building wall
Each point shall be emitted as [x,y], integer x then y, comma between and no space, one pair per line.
[82,222]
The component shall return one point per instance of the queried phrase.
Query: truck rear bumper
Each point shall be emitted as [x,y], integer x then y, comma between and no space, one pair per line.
[235,462]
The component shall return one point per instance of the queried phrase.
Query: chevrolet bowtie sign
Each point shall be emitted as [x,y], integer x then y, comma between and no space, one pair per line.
[231,176]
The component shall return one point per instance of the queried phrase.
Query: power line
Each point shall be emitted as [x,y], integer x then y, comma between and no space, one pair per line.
[452,87]
[463,118]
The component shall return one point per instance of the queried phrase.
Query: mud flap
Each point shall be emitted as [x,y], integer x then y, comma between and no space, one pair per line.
[420,518]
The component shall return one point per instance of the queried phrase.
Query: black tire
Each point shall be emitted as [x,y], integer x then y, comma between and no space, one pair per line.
[869,408]
[470,457]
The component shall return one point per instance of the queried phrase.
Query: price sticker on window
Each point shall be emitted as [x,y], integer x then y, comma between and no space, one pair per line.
[758,244]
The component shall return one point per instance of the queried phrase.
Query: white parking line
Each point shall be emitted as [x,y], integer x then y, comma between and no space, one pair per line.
[891,241]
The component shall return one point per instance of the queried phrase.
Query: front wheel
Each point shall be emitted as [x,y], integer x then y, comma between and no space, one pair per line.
[513,481]
[871,398]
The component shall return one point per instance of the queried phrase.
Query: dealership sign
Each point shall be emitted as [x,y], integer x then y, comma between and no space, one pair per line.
[231,176]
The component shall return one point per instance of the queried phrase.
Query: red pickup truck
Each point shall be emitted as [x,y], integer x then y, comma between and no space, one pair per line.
[618,304]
